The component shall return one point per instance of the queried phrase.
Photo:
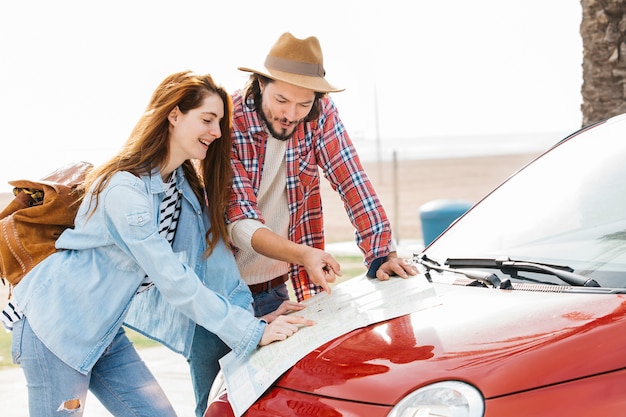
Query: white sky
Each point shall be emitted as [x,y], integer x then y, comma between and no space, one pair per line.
[75,75]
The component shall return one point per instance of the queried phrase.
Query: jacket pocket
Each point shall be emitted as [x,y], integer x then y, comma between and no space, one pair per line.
[139,224]
[16,342]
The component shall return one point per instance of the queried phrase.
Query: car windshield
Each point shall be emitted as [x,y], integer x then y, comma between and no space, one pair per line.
[568,207]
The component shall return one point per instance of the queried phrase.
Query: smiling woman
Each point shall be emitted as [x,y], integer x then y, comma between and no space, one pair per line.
[127,261]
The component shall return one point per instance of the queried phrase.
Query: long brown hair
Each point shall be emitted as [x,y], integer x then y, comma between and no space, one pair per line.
[147,148]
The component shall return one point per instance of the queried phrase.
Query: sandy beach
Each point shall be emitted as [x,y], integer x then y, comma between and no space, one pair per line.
[406,185]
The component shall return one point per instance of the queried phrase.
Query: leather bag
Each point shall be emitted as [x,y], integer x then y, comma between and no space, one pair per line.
[40,211]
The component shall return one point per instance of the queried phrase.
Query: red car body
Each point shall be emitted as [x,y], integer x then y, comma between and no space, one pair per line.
[543,345]
[564,354]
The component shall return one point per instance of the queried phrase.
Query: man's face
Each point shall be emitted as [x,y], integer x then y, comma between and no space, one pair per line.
[284,106]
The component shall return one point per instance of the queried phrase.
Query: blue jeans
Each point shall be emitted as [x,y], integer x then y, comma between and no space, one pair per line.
[267,301]
[119,379]
[206,350]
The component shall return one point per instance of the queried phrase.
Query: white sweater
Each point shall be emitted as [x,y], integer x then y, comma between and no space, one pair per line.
[272,202]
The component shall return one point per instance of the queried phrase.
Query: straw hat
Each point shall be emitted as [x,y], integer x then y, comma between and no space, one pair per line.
[296,61]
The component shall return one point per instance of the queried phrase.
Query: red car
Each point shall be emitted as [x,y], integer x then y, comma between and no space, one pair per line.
[532,319]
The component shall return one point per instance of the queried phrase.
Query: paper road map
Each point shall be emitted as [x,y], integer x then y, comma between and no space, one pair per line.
[352,304]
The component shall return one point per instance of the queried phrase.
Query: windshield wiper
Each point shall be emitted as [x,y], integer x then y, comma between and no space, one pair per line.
[484,277]
[565,273]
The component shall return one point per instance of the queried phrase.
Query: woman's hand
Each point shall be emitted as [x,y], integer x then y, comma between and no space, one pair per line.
[283,327]
[285,308]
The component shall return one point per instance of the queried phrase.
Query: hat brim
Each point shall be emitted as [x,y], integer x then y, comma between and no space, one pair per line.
[317,84]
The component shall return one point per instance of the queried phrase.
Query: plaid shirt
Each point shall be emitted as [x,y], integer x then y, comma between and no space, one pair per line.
[324,143]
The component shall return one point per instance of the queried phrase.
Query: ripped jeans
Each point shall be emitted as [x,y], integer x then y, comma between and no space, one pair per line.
[119,379]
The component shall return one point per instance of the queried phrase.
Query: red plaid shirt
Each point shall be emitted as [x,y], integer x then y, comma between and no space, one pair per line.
[324,143]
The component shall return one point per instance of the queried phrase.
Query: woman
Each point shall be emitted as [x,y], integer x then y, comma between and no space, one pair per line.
[74,302]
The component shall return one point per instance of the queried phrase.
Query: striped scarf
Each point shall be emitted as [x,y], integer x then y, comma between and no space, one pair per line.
[170,212]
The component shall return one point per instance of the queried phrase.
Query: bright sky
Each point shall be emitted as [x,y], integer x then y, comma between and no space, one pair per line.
[75,75]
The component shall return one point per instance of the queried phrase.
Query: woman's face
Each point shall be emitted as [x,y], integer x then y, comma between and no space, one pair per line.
[192,133]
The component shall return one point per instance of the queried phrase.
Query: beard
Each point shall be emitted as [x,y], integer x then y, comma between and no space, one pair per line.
[282,134]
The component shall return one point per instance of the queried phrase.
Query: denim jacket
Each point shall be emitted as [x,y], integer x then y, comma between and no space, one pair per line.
[77,298]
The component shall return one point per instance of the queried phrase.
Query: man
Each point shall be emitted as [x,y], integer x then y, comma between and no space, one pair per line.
[285,126]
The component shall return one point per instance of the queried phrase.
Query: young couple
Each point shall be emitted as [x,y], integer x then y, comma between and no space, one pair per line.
[150,248]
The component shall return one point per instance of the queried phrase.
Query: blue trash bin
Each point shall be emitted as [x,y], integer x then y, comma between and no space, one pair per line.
[437,215]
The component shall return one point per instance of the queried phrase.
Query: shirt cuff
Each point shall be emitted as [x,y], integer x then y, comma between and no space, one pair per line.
[371,272]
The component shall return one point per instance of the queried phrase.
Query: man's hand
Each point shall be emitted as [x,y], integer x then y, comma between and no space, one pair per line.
[283,327]
[395,266]
[321,267]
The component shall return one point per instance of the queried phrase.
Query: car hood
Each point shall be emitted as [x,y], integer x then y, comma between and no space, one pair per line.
[500,341]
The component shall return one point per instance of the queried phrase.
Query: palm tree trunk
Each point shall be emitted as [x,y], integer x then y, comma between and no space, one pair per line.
[603,31]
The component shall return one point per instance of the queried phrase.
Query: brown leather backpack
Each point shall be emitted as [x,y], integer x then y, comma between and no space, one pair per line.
[31,223]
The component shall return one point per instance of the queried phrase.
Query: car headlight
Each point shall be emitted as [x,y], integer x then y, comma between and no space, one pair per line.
[442,399]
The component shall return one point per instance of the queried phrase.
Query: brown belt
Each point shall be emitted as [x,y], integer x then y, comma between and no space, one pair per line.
[267,285]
